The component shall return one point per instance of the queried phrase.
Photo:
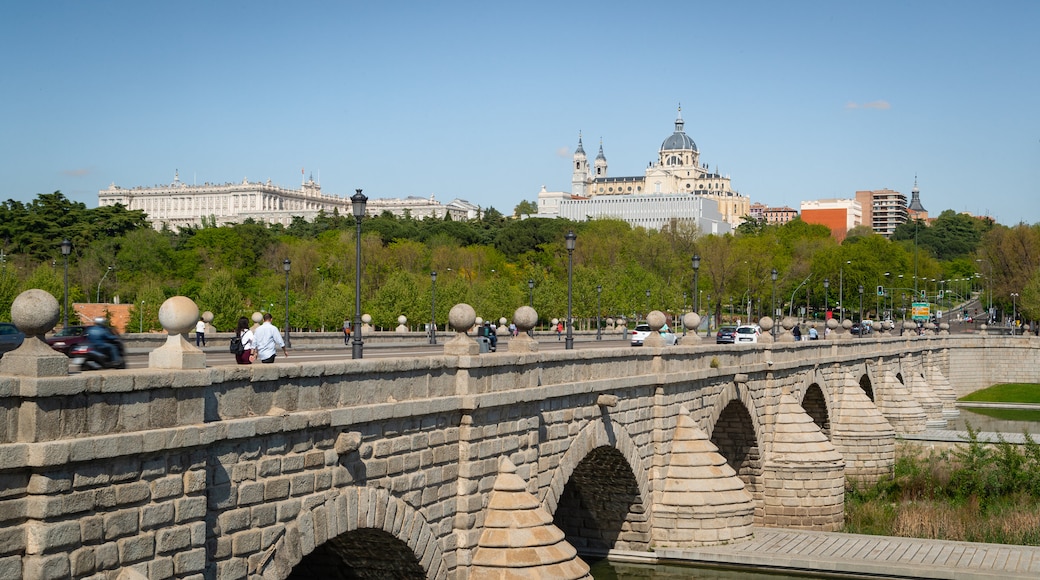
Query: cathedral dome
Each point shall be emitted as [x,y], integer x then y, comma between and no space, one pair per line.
[679,140]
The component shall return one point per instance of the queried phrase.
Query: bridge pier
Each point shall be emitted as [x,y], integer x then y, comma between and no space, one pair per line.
[804,475]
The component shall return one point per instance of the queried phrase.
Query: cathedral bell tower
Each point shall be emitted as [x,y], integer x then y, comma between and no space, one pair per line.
[601,162]
[580,180]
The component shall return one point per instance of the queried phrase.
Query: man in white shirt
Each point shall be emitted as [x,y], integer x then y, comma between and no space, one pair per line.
[200,333]
[267,339]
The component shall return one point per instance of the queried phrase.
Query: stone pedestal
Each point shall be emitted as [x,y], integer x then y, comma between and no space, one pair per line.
[461,318]
[524,318]
[178,316]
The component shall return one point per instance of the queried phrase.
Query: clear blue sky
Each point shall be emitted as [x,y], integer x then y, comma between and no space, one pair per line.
[484,100]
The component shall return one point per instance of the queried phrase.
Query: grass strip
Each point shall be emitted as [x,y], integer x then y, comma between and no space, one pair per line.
[1006,393]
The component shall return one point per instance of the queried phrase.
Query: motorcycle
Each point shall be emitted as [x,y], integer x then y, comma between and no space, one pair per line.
[88,358]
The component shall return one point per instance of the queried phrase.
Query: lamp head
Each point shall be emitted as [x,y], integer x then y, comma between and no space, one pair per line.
[570,238]
[286,264]
[433,275]
[358,201]
[696,262]
[773,274]
[66,247]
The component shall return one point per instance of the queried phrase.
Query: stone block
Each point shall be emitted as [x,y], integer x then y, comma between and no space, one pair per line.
[157,515]
[190,561]
[43,537]
[51,567]
[160,568]
[121,523]
[81,561]
[172,540]
[245,543]
[189,509]
[11,568]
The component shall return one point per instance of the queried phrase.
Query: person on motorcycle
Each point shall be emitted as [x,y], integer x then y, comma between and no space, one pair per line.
[105,342]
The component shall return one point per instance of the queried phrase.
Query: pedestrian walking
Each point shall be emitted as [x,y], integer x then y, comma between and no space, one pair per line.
[559,330]
[248,342]
[200,333]
[346,332]
[268,339]
[796,332]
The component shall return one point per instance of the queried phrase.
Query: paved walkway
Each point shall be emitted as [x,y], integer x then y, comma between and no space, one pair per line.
[860,555]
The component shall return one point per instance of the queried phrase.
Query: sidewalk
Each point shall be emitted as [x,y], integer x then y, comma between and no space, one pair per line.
[794,551]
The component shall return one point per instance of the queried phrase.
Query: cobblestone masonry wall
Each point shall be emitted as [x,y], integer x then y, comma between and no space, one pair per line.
[234,472]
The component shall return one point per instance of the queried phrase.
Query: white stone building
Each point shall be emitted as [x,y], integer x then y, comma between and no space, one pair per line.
[678,170]
[650,211]
[182,205]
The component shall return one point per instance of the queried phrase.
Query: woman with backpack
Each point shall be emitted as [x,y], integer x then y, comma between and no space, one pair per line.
[244,335]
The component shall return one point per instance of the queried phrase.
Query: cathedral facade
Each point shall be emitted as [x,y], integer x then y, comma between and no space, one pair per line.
[678,170]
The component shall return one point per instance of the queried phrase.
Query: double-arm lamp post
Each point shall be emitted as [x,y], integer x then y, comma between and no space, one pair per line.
[66,249]
[287,265]
[433,307]
[772,304]
[599,327]
[358,201]
[570,238]
[826,297]
[696,279]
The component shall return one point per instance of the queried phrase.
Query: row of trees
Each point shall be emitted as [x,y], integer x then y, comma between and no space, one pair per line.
[491,263]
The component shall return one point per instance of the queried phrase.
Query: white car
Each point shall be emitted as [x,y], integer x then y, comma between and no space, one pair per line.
[643,330]
[748,333]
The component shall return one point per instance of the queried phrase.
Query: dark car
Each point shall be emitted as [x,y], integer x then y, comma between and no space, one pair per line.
[726,335]
[66,338]
[10,337]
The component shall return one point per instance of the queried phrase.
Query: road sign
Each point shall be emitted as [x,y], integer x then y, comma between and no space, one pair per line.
[921,311]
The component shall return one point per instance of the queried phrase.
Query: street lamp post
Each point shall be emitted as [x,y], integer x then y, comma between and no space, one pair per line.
[861,310]
[141,330]
[772,302]
[66,249]
[571,239]
[358,201]
[286,265]
[433,307]
[841,290]
[599,328]
[97,299]
[647,303]
[1014,313]
[696,278]
[826,296]
[530,290]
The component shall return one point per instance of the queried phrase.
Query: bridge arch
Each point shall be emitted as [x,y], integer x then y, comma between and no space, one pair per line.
[380,533]
[601,477]
[819,400]
[733,426]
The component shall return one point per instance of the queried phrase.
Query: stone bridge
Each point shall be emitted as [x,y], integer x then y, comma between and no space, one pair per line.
[460,465]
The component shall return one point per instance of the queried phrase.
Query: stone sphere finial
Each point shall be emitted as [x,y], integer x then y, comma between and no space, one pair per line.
[178,314]
[656,319]
[461,317]
[402,319]
[691,320]
[35,312]
[366,318]
[787,323]
[257,317]
[525,318]
[832,323]
[207,317]
[766,324]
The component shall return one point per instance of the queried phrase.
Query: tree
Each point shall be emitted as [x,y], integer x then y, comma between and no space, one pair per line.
[525,208]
